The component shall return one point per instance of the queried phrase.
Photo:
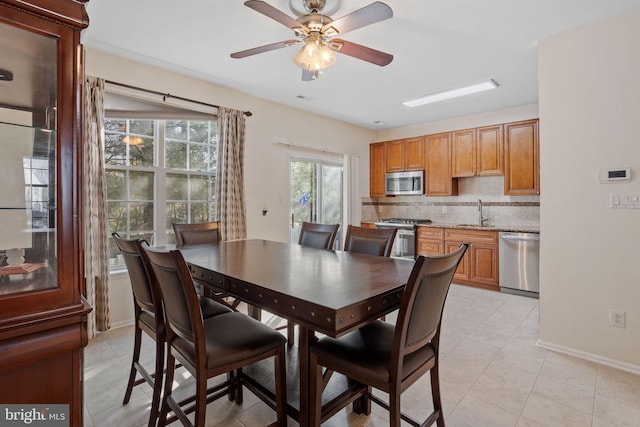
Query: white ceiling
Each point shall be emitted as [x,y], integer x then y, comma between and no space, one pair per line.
[437,45]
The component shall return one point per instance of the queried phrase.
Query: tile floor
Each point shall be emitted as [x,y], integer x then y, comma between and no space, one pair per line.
[492,375]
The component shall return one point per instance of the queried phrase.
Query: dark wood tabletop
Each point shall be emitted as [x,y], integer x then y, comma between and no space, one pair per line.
[331,292]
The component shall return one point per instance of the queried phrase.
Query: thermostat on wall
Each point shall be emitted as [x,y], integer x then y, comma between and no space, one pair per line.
[611,175]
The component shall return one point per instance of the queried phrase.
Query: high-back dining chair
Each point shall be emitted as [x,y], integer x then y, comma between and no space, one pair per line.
[149,318]
[391,357]
[371,241]
[321,236]
[203,233]
[210,347]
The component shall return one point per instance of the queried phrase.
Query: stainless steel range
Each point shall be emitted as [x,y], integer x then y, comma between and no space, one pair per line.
[404,246]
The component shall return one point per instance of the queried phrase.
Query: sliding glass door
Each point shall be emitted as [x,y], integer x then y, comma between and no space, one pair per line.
[315,189]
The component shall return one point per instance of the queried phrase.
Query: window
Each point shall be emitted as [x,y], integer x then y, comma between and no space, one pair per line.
[158,172]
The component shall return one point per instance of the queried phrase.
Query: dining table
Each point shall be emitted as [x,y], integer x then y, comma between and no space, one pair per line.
[327,292]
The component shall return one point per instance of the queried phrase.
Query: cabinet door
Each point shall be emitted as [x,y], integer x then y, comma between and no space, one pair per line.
[438,166]
[39,209]
[522,165]
[377,169]
[490,151]
[414,154]
[463,153]
[394,151]
[463,272]
[484,264]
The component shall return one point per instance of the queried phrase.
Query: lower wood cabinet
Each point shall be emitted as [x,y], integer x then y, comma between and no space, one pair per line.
[430,241]
[478,267]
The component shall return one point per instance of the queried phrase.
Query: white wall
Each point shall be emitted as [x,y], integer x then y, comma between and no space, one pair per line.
[589,111]
[266,167]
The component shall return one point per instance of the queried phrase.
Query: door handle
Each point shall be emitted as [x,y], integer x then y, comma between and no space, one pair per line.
[292,221]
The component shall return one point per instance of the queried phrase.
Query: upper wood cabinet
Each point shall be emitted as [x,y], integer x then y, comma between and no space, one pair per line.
[377,169]
[489,151]
[522,152]
[477,152]
[405,154]
[42,312]
[463,153]
[439,181]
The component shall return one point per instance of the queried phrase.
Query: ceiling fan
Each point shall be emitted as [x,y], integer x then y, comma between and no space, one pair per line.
[317,31]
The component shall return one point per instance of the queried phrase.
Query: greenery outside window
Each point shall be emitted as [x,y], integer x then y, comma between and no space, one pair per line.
[158,172]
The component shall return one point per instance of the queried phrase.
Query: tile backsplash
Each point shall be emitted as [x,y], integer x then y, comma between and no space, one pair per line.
[462,209]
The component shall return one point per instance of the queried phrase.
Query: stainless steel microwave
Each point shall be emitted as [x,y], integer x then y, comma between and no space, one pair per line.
[404,183]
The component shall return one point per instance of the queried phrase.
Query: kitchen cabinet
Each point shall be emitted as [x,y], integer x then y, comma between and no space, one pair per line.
[439,181]
[477,152]
[430,241]
[489,151]
[405,154]
[377,169]
[522,158]
[42,311]
[479,266]
[463,153]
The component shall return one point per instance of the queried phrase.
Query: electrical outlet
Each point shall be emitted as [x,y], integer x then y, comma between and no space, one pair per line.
[617,318]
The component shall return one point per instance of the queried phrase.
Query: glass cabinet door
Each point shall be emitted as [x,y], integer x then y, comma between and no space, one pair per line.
[28,159]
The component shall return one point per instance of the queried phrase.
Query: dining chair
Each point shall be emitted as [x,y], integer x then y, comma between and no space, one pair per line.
[211,347]
[370,241]
[202,233]
[149,318]
[391,357]
[320,236]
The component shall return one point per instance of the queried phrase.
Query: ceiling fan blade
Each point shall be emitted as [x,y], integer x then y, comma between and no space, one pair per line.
[265,48]
[273,13]
[375,12]
[361,52]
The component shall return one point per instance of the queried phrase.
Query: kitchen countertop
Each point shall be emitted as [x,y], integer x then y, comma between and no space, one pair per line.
[510,228]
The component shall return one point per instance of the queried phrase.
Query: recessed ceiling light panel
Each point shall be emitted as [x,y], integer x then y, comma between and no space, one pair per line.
[453,93]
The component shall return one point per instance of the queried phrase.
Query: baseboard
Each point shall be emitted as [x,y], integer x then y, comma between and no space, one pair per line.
[122,324]
[623,366]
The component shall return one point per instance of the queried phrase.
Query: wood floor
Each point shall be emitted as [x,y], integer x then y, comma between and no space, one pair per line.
[492,375]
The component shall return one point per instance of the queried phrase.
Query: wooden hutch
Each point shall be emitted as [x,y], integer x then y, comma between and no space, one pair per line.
[42,310]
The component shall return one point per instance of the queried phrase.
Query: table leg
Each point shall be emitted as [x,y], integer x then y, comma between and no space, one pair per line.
[305,337]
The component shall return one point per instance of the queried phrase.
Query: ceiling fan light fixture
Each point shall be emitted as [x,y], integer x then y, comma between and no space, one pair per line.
[315,55]
[453,93]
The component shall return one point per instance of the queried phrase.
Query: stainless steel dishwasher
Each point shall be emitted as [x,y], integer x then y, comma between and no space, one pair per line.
[520,263]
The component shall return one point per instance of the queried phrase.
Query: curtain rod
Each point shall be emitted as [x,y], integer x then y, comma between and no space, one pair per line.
[168,95]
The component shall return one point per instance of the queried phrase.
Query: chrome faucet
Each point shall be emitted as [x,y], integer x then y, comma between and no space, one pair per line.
[481,219]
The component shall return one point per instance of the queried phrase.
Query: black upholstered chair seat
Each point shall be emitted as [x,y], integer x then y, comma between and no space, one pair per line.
[230,338]
[211,308]
[366,353]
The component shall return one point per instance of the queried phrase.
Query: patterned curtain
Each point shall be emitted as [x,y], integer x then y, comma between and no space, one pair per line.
[95,208]
[230,205]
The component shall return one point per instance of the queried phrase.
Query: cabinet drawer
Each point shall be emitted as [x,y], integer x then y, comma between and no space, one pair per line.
[430,247]
[471,236]
[430,233]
